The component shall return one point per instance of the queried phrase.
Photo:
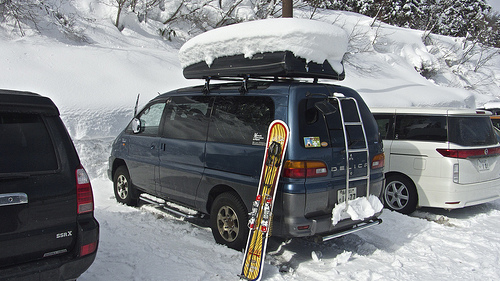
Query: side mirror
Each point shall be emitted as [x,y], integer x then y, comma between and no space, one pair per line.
[136,125]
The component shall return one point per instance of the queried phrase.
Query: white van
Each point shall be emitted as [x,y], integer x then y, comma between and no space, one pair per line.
[445,158]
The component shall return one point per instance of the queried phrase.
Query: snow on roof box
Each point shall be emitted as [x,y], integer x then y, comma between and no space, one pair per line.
[298,47]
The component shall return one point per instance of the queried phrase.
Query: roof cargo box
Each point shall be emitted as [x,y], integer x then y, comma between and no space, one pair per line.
[282,47]
[270,64]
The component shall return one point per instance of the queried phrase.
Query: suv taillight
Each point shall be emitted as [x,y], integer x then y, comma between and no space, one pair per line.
[84,197]
[304,169]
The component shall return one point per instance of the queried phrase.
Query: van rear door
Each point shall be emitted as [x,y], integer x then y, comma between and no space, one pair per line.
[322,138]
[38,207]
[474,140]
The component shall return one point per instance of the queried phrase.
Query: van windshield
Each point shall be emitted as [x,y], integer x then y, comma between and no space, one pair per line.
[471,131]
[25,144]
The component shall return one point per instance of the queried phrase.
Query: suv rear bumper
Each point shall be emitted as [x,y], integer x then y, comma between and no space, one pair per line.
[64,267]
[61,268]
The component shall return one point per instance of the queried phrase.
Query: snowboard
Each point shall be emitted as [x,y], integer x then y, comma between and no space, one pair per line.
[260,216]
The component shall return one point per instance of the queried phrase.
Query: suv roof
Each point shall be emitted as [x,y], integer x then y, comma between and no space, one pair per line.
[19,101]
[427,110]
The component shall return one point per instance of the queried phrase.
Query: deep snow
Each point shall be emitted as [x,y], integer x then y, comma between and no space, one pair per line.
[96,85]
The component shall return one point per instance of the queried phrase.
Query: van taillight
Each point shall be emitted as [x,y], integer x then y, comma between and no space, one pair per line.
[304,169]
[378,161]
[464,153]
[84,197]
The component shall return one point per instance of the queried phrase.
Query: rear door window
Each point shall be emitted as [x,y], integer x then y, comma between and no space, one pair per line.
[384,122]
[241,120]
[25,144]
[321,124]
[187,118]
[471,131]
[420,127]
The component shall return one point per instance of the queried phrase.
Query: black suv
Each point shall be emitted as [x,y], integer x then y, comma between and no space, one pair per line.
[47,225]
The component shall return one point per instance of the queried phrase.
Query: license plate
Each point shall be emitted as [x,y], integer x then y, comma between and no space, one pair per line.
[483,164]
[350,196]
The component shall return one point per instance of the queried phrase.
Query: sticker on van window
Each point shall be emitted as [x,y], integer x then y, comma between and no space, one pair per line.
[312,142]
[258,139]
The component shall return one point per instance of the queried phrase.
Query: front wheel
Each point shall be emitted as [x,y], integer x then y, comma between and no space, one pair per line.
[228,220]
[124,191]
[400,194]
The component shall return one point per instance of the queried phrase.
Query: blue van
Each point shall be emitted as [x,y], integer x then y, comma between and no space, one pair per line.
[202,148]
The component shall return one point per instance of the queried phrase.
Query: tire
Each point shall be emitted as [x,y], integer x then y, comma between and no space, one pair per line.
[124,191]
[228,220]
[400,194]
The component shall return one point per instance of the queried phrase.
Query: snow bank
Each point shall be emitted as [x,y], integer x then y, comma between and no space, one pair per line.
[309,39]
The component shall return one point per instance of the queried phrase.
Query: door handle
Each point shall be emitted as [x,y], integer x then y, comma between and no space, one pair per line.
[8,199]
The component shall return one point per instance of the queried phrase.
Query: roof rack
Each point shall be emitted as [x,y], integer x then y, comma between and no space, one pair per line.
[267,65]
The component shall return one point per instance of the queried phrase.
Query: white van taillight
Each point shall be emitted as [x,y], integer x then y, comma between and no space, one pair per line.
[465,153]
[378,161]
[304,169]
[456,175]
[84,197]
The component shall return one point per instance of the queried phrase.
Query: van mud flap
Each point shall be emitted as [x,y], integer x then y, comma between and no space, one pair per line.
[355,228]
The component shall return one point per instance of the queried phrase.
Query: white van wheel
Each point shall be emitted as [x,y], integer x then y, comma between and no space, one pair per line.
[400,194]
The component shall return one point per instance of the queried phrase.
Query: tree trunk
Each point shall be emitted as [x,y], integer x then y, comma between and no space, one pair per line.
[287,9]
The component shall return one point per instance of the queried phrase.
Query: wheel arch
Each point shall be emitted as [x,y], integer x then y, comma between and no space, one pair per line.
[118,162]
[218,190]
[388,175]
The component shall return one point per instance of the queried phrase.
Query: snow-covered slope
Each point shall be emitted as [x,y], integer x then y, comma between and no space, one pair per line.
[96,84]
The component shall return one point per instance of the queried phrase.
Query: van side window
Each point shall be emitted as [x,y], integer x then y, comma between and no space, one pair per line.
[150,118]
[187,118]
[420,127]
[241,120]
[384,123]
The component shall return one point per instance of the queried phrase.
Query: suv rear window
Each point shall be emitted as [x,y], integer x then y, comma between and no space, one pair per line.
[471,131]
[25,144]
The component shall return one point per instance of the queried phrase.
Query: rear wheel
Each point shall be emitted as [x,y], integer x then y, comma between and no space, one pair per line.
[400,194]
[228,220]
[124,191]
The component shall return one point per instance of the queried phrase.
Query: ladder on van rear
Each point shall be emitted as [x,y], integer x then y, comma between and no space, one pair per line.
[356,146]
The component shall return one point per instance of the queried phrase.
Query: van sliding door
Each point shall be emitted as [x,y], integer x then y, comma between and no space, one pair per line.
[182,147]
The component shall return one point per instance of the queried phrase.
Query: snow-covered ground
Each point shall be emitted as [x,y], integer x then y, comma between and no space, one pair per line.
[95,86]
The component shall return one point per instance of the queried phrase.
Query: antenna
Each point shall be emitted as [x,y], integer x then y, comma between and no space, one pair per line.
[136,104]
